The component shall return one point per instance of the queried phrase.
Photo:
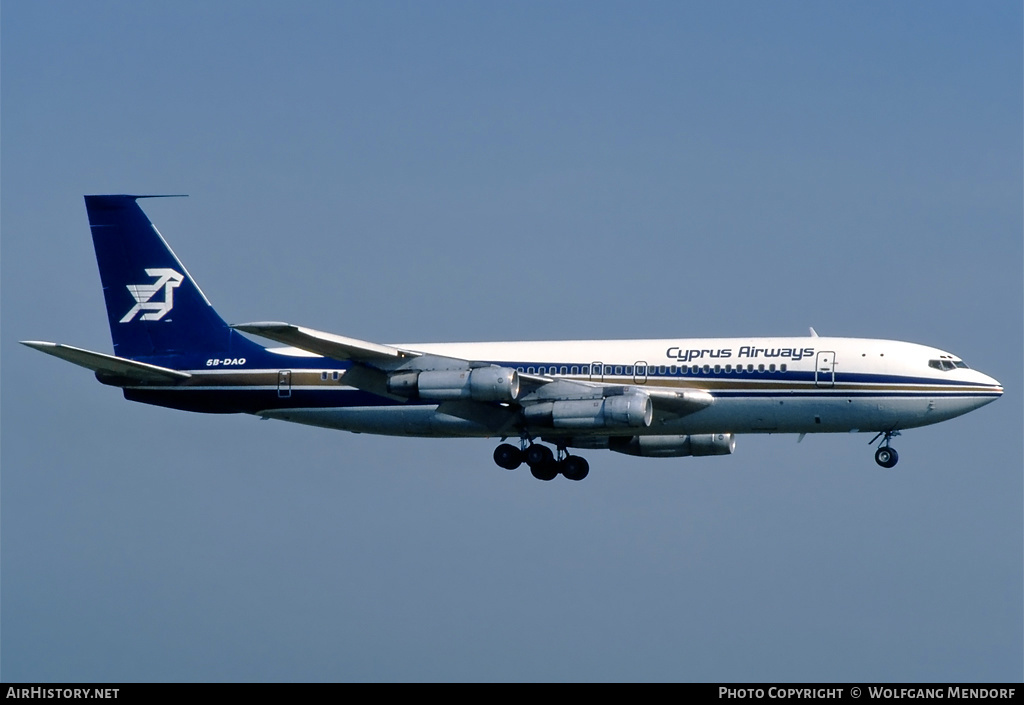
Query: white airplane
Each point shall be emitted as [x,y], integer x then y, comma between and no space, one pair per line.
[649,398]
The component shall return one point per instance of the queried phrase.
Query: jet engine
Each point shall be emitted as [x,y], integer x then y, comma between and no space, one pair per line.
[674,446]
[633,410]
[500,384]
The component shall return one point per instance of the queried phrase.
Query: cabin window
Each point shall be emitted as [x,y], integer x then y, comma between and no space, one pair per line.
[618,369]
[771,367]
[564,370]
[574,370]
[760,368]
[323,375]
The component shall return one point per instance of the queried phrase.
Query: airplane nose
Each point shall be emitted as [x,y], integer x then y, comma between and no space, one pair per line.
[992,383]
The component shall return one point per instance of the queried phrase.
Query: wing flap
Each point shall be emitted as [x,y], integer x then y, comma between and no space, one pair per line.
[119,369]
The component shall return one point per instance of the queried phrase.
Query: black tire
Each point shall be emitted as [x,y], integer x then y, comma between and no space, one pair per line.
[537,454]
[887,457]
[575,468]
[508,456]
[545,471]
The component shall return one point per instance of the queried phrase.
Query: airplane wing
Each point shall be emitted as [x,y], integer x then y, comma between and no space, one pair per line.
[373,363]
[109,367]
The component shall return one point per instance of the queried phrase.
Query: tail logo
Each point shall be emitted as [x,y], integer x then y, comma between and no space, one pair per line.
[166,279]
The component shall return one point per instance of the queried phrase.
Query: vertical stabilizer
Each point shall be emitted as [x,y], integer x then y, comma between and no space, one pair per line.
[154,306]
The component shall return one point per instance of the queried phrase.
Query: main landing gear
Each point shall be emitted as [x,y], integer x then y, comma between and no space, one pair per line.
[886,456]
[542,461]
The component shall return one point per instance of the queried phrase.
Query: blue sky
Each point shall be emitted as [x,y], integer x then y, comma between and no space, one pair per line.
[479,171]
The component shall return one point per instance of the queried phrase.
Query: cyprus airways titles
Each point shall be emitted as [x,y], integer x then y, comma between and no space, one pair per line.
[649,398]
[685,355]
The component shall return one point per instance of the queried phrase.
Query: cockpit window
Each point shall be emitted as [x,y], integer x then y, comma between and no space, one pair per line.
[947,363]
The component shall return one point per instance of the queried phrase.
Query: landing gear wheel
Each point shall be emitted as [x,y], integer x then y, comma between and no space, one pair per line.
[574,468]
[545,471]
[537,454]
[887,457]
[508,456]
[542,462]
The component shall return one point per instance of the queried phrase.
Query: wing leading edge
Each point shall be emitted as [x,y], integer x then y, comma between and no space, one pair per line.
[329,345]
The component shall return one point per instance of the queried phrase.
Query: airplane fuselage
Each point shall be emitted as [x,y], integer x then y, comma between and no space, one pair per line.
[759,385]
[651,398]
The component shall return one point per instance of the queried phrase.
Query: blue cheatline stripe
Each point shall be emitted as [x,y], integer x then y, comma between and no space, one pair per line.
[721,385]
[857,394]
[326,395]
[755,375]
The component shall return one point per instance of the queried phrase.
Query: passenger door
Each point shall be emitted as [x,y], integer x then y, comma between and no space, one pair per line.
[825,369]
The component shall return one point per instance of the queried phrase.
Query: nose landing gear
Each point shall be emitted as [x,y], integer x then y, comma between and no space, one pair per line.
[542,461]
[886,456]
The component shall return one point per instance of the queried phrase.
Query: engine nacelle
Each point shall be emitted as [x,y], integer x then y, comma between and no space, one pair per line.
[623,411]
[674,446]
[499,384]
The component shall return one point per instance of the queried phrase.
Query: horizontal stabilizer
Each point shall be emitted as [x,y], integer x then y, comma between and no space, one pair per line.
[109,365]
[329,345]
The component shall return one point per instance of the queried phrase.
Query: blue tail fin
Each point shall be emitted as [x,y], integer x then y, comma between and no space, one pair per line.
[154,307]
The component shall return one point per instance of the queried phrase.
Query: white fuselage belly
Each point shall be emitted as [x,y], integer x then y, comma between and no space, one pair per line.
[760,385]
